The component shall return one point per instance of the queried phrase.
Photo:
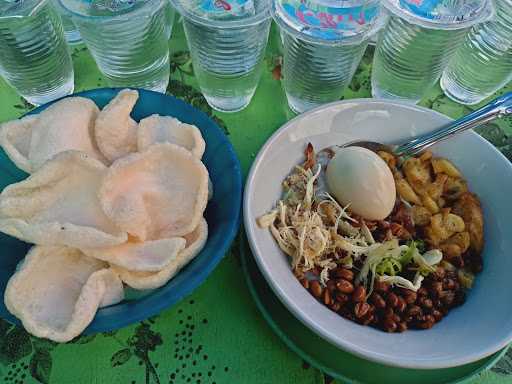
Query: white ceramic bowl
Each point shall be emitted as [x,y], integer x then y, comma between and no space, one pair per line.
[480,327]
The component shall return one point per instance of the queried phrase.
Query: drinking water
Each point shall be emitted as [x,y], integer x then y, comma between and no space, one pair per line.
[418,42]
[315,74]
[483,63]
[70,30]
[323,43]
[409,59]
[34,57]
[170,14]
[127,38]
[227,40]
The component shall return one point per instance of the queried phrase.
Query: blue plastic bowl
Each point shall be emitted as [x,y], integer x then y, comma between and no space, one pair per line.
[222,213]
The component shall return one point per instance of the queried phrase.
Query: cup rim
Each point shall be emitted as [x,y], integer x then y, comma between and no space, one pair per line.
[260,17]
[28,11]
[356,39]
[109,18]
[486,13]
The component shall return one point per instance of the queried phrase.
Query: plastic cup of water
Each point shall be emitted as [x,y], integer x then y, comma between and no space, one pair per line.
[483,62]
[417,42]
[227,41]
[34,58]
[323,43]
[127,38]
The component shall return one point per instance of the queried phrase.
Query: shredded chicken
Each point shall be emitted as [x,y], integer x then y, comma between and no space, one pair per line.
[313,229]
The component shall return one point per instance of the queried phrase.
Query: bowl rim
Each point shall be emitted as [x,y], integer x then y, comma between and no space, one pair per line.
[281,292]
[128,312]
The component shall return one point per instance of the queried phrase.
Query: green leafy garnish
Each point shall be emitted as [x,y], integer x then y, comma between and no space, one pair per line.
[402,282]
[428,261]
[420,245]
[406,257]
[389,266]
[387,260]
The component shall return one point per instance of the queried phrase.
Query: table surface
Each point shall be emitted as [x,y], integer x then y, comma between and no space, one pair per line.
[216,335]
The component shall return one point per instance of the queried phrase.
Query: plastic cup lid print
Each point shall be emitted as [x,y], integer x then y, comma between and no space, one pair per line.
[226,9]
[329,20]
[19,8]
[442,14]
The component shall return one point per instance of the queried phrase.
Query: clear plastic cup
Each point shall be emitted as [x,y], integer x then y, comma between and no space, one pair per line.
[323,43]
[227,41]
[171,15]
[418,41]
[34,58]
[70,30]
[483,62]
[127,38]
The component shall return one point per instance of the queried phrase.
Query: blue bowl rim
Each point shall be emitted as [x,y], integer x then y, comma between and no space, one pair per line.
[129,312]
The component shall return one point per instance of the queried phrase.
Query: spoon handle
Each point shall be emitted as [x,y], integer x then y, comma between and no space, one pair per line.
[502,106]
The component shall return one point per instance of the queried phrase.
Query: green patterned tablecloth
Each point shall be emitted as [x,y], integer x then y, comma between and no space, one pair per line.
[217,335]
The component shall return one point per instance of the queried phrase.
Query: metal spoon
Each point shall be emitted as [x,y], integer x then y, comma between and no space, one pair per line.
[500,107]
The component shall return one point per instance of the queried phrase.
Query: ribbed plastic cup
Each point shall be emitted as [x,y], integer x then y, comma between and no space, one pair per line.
[70,30]
[227,47]
[323,43]
[171,15]
[34,58]
[483,63]
[417,43]
[127,38]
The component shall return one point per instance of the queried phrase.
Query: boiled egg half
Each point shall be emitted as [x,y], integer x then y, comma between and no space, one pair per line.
[359,178]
